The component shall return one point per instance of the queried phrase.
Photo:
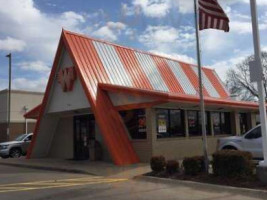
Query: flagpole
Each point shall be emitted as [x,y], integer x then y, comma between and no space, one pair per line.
[202,105]
[261,92]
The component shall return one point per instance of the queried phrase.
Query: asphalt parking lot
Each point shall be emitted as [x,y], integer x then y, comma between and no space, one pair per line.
[30,184]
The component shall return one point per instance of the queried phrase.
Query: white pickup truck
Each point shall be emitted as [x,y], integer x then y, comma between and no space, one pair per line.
[251,141]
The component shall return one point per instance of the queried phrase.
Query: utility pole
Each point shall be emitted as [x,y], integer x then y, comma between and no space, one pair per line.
[256,66]
[9,97]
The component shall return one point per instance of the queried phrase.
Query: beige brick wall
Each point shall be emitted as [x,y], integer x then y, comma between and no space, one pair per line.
[178,148]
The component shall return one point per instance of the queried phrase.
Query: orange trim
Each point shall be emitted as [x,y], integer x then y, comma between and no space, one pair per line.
[139,105]
[168,97]
[33,113]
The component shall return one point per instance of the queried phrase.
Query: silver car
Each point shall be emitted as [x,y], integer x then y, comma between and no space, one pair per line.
[251,141]
[16,148]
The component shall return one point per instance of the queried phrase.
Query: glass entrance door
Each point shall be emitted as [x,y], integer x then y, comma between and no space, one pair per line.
[83,134]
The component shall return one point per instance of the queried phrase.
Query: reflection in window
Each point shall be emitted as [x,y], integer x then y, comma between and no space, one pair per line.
[194,123]
[170,123]
[135,121]
[243,122]
[221,123]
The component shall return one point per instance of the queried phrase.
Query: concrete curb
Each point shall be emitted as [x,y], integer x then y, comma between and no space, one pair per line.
[205,186]
[57,169]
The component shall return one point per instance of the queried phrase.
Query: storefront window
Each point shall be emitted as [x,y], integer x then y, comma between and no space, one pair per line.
[135,121]
[221,123]
[170,123]
[194,123]
[243,123]
[258,120]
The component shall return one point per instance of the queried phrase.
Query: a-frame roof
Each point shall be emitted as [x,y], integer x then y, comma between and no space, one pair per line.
[125,69]
[107,63]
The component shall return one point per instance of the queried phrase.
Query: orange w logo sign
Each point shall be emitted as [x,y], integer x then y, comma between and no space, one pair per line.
[66,78]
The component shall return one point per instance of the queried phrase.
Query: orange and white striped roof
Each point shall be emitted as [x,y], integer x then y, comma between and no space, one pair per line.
[104,62]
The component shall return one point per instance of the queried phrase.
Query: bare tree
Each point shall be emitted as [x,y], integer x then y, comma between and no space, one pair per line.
[238,80]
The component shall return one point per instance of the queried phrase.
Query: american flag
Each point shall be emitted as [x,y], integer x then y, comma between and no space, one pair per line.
[211,15]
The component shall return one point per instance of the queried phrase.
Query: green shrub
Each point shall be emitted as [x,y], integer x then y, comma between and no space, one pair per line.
[157,163]
[172,166]
[194,165]
[229,163]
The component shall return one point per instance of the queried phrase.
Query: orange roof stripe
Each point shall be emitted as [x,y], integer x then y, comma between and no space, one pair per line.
[216,83]
[167,75]
[133,68]
[193,77]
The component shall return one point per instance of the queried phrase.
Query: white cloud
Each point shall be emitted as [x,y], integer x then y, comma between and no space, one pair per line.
[180,57]
[168,39]
[156,8]
[222,66]
[12,44]
[160,34]
[184,6]
[215,42]
[20,19]
[29,84]
[116,25]
[37,66]
[111,30]
[160,8]
[153,8]
[241,23]
[105,33]
[130,10]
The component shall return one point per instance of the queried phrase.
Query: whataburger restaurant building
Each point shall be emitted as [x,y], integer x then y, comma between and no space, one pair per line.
[113,103]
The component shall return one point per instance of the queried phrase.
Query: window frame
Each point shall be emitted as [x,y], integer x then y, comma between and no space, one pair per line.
[222,126]
[170,134]
[243,119]
[127,128]
[199,123]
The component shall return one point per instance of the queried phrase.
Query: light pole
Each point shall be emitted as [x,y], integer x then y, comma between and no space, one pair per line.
[9,97]
[25,108]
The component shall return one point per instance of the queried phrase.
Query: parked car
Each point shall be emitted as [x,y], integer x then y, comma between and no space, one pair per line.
[251,141]
[16,148]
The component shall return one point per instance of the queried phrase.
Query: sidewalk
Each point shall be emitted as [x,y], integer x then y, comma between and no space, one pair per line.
[84,167]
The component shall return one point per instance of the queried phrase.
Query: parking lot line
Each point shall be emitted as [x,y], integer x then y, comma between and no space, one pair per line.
[39,185]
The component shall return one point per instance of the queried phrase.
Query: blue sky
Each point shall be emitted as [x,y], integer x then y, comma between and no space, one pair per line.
[30,29]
